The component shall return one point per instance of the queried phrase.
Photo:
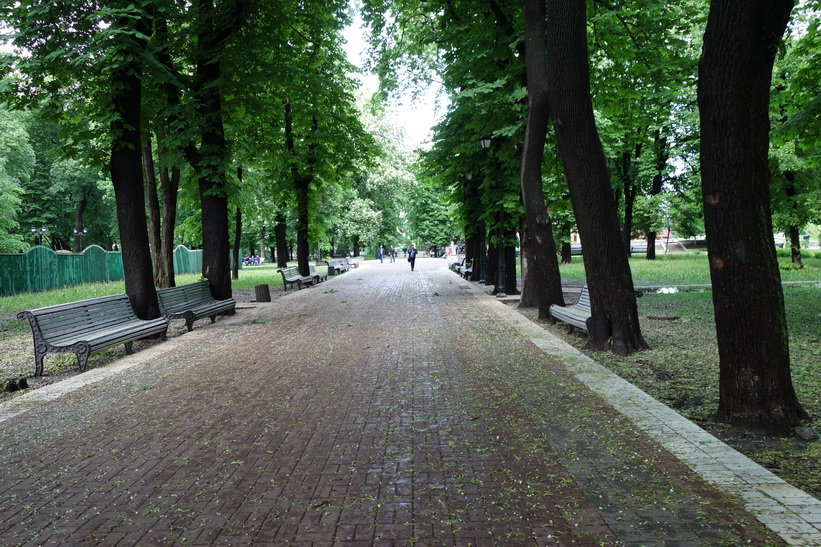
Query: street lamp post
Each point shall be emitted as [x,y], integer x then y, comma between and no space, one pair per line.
[38,233]
[485,141]
[480,247]
[78,238]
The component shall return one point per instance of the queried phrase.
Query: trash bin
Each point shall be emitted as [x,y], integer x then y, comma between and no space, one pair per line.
[263,293]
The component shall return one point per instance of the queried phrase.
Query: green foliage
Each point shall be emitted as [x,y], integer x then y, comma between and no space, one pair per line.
[16,167]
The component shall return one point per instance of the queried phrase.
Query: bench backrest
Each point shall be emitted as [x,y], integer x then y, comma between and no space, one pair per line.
[193,293]
[290,271]
[584,299]
[335,262]
[77,318]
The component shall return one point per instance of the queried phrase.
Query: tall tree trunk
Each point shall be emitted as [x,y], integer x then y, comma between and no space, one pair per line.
[615,320]
[154,213]
[281,235]
[170,187]
[655,190]
[546,276]
[795,239]
[79,226]
[660,149]
[237,233]
[630,190]
[529,297]
[735,71]
[302,250]
[169,183]
[126,176]
[211,165]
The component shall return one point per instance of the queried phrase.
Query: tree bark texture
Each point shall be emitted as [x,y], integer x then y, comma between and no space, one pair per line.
[215,29]
[615,321]
[170,184]
[546,277]
[154,213]
[281,236]
[80,211]
[126,176]
[529,297]
[735,74]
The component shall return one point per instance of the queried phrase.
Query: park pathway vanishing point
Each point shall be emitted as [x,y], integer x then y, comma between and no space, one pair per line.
[383,407]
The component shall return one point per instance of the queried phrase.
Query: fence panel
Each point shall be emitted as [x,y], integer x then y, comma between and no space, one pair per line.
[41,269]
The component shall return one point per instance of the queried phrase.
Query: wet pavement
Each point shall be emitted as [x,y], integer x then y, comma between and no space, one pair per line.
[382,407]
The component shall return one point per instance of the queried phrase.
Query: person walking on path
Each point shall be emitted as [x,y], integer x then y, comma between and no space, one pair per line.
[412,256]
[393,253]
[380,254]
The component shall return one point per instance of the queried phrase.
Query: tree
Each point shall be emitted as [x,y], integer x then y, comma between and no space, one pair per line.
[16,166]
[539,230]
[129,29]
[100,49]
[796,137]
[615,322]
[735,73]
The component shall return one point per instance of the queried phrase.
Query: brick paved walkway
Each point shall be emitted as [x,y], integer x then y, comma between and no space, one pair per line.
[384,407]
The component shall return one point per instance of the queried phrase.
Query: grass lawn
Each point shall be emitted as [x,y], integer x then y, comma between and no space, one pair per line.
[681,369]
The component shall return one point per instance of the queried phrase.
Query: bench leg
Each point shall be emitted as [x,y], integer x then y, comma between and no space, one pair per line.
[38,362]
[129,347]
[189,322]
[82,358]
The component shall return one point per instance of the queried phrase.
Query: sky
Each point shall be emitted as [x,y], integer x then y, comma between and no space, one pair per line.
[417,117]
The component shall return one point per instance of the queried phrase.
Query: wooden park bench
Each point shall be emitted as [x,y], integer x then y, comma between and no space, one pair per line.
[351,263]
[466,271]
[192,302]
[318,277]
[455,266]
[576,249]
[577,315]
[337,266]
[88,326]
[291,276]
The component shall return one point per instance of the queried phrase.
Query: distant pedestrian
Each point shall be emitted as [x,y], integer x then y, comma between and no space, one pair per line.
[380,254]
[412,256]
[393,253]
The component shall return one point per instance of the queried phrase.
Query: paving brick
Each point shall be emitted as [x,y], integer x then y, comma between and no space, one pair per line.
[376,414]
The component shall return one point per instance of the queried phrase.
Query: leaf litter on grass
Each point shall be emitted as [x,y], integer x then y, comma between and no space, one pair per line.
[681,371]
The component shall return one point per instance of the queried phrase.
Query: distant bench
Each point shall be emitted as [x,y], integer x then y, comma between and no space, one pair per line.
[318,277]
[192,302]
[577,315]
[291,276]
[338,265]
[640,247]
[86,327]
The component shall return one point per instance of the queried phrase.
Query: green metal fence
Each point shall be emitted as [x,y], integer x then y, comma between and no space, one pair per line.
[41,269]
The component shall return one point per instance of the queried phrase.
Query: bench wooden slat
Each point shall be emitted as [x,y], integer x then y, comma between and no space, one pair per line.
[291,276]
[87,326]
[192,302]
[577,315]
[338,266]
[318,277]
